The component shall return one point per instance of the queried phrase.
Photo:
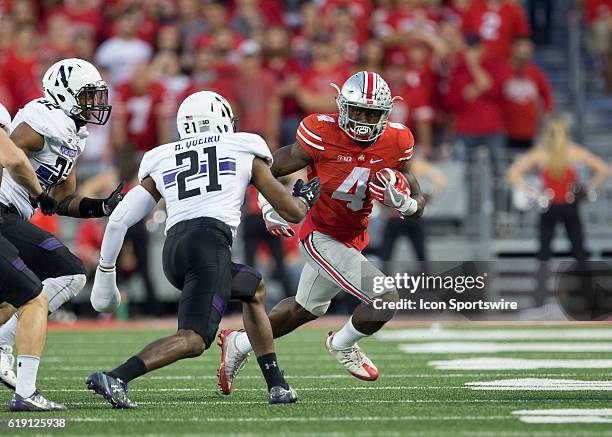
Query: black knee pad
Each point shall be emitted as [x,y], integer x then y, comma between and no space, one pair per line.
[245,282]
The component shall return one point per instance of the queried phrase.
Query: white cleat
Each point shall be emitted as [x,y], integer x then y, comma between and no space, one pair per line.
[36,402]
[232,360]
[7,364]
[353,360]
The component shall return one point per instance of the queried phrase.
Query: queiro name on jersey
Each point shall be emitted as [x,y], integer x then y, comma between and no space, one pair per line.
[205,176]
[63,145]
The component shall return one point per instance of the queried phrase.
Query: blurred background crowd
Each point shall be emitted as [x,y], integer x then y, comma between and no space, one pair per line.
[479,80]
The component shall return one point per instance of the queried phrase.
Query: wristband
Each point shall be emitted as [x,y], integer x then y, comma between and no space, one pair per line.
[90,208]
[262,201]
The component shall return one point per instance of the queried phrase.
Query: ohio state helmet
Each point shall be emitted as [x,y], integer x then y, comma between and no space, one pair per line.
[368,90]
[77,88]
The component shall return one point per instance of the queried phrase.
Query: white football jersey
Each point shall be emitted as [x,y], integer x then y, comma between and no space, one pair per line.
[205,176]
[63,145]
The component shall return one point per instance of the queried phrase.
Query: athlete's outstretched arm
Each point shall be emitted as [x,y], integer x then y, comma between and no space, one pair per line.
[73,205]
[290,159]
[291,208]
[139,201]
[16,162]
[415,189]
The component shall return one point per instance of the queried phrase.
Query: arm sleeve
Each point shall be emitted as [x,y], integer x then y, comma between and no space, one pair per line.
[134,207]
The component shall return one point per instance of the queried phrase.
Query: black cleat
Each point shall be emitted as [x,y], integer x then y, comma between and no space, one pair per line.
[114,390]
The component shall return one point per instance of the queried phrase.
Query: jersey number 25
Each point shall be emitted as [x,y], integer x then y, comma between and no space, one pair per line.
[348,192]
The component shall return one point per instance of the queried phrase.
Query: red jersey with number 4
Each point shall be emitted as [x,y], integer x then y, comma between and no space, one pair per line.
[345,168]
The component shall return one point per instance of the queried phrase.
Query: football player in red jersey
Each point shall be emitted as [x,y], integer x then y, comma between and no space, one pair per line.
[358,156]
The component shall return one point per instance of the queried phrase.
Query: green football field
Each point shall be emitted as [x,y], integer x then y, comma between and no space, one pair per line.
[452,380]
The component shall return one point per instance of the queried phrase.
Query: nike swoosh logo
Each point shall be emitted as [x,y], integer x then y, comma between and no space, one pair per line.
[374,161]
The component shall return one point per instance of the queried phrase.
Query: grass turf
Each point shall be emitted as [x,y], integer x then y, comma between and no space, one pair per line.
[410,397]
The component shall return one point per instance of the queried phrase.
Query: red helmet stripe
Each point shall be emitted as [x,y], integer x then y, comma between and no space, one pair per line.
[370,85]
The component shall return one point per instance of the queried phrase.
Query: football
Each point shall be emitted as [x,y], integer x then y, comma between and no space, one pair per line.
[385,176]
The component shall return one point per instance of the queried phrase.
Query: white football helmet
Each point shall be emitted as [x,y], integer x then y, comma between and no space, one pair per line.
[369,91]
[5,119]
[204,112]
[78,89]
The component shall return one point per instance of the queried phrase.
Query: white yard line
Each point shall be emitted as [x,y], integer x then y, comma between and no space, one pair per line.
[494,334]
[566,415]
[475,347]
[541,384]
[502,363]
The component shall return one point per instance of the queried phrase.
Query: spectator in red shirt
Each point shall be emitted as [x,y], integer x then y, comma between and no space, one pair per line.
[190,22]
[248,19]
[25,13]
[498,23]
[84,15]
[311,25]
[346,36]
[599,21]
[258,99]
[208,74]
[314,92]
[526,95]
[408,20]
[84,45]
[474,98]
[414,109]
[372,56]
[7,35]
[359,10]
[59,38]
[169,39]
[285,70]
[142,112]
[20,68]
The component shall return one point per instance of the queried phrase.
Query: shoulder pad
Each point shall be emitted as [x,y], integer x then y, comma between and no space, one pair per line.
[46,118]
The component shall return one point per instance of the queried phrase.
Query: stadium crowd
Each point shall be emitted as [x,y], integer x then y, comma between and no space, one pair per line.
[463,68]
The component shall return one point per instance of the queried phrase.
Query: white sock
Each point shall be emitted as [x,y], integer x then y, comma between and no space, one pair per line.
[242,343]
[27,368]
[7,332]
[347,336]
